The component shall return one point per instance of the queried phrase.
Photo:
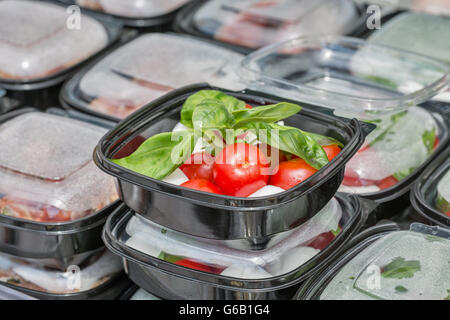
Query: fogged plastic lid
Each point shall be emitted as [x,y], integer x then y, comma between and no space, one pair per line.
[358,78]
[97,272]
[36,41]
[256,23]
[151,66]
[404,265]
[437,7]
[235,258]
[421,33]
[141,294]
[46,168]
[133,8]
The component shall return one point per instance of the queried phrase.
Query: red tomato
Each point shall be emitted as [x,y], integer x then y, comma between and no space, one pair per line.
[448,213]
[199,166]
[436,143]
[387,182]
[290,173]
[331,151]
[194,265]
[268,150]
[201,185]
[322,240]
[248,106]
[240,169]
[357,182]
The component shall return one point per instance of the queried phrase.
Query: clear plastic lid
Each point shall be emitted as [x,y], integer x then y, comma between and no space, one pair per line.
[133,8]
[134,75]
[36,41]
[355,77]
[403,265]
[256,23]
[399,144]
[141,294]
[443,194]
[96,272]
[46,169]
[235,258]
[417,32]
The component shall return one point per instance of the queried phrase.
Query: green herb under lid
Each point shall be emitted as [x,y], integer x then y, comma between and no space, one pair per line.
[400,265]
[443,194]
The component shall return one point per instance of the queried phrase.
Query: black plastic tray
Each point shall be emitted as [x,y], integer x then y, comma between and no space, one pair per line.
[43,92]
[56,245]
[423,194]
[170,281]
[216,216]
[184,23]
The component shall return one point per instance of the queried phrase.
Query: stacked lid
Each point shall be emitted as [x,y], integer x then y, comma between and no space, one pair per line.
[53,204]
[133,75]
[402,265]
[376,83]
[38,41]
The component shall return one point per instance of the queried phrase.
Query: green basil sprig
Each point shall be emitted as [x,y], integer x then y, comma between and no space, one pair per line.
[292,140]
[160,154]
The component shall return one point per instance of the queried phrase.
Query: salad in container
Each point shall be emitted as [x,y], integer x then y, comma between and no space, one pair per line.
[223,164]
[53,199]
[378,84]
[134,13]
[173,265]
[100,277]
[396,265]
[39,47]
[430,195]
[133,75]
[252,24]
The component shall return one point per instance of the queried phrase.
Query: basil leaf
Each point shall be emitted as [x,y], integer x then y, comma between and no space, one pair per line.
[211,114]
[169,257]
[160,154]
[386,129]
[325,141]
[399,268]
[448,297]
[269,113]
[428,139]
[292,140]
[403,174]
[400,289]
[231,103]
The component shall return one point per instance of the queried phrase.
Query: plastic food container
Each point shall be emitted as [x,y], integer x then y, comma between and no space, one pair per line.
[217,216]
[418,32]
[42,52]
[135,13]
[99,278]
[54,201]
[133,75]
[251,24]
[374,83]
[172,265]
[10,294]
[141,294]
[430,195]
[400,265]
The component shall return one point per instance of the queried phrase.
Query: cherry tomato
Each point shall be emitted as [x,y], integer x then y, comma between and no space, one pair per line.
[322,240]
[240,169]
[331,151]
[268,150]
[199,166]
[248,106]
[194,265]
[448,213]
[436,143]
[357,182]
[202,185]
[290,173]
[387,182]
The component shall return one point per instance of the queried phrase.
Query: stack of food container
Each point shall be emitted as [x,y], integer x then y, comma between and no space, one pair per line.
[378,84]
[40,48]
[53,204]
